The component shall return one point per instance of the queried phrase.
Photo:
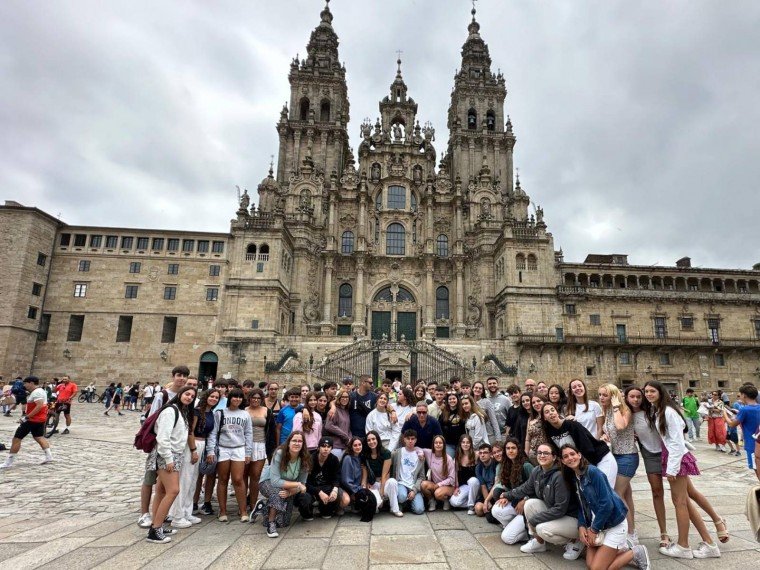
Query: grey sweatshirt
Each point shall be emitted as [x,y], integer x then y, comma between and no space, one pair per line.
[236,430]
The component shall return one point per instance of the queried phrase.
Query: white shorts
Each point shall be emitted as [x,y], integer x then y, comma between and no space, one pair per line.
[615,537]
[259,451]
[231,454]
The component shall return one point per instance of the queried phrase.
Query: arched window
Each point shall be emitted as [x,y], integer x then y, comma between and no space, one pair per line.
[472,119]
[384,295]
[442,303]
[303,113]
[404,294]
[264,252]
[324,111]
[345,300]
[347,242]
[442,246]
[396,198]
[251,248]
[520,261]
[532,262]
[490,121]
[264,248]
[395,240]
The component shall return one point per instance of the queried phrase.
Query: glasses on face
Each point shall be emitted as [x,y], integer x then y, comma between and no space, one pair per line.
[544,453]
[420,413]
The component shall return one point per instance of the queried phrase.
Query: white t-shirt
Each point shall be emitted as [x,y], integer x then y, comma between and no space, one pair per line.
[587,418]
[37,395]
[148,391]
[409,460]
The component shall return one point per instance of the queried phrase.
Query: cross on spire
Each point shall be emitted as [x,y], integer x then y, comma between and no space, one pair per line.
[473,9]
[398,61]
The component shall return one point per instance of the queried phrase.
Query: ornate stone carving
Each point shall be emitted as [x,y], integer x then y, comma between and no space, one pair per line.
[348,220]
[474,311]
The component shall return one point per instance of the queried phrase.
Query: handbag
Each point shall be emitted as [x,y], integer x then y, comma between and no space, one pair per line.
[206,468]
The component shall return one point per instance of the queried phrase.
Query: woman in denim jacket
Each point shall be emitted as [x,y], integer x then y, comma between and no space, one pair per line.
[602,524]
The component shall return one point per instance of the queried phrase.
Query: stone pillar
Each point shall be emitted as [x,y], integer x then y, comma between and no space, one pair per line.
[428,330]
[326,324]
[459,329]
[358,326]
[296,151]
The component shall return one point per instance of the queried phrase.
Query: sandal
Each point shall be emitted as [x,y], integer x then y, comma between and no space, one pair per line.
[664,540]
[722,535]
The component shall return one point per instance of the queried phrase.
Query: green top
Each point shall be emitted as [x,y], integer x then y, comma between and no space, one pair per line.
[690,407]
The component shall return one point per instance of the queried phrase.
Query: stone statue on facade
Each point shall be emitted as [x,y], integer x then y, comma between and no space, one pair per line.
[474,311]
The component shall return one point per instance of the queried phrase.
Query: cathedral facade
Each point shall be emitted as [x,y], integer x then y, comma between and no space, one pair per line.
[398,260]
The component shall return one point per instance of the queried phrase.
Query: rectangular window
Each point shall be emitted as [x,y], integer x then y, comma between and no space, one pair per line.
[96,240]
[158,244]
[665,359]
[212,293]
[76,326]
[660,329]
[757,328]
[687,323]
[259,267]
[713,326]
[590,370]
[170,293]
[112,242]
[442,332]
[65,239]
[142,243]
[720,359]
[80,289]
[80,240]
[131,292]
[124,331]
[36,289]
[622,335]
[692,383]
[217,247]
[396,198]
[172,244]
[255,324]
[214,270]
[32,313]
[570,309]
[41,259]
[169,330]
[84,265]
[173,269]
[188,245]
[721,384]
[134,267]
[559,334]
[625,358]
[344,330]
[595,319]
[202,246]
[127,242]
[42,335]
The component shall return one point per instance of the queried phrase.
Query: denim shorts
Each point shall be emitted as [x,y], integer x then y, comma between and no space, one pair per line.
[627,464]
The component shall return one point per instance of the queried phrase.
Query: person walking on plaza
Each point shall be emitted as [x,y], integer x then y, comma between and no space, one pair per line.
[32,422]
[66,391]
[716,425]
[748,417]
[118,396]
[171,428]
[690,404]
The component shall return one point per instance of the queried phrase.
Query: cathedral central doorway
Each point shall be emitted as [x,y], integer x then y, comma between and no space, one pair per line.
[394,313]
[393,375]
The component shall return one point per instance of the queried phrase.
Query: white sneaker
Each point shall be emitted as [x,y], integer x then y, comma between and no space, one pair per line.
[431,505]
[533,546]
[705,550]
[145,520]
[181,523]
[446,505]
[6,465]
[471,511]
[573,550]
[195,520]
[674,550]
[397,513]
[641,557]
[46,460]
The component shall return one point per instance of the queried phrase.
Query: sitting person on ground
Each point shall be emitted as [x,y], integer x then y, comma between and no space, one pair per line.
[408,468]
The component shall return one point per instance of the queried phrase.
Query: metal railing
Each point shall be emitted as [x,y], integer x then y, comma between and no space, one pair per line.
[643,341]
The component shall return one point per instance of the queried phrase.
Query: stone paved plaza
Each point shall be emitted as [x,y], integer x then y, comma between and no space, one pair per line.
[81,510]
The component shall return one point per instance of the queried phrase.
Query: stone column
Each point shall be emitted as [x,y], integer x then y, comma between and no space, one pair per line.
[359,310]
[459,329]
[326,324]
[428,330]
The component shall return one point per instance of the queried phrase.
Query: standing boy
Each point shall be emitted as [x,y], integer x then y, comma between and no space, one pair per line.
[32,422]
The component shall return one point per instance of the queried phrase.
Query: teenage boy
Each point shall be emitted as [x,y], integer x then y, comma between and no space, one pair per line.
[66,391]
[179,377]
[485,471]
[512,413]
[465,387]
[285,416]
[362,402]
[455,384]
[435,409]
[223,388]
[19,392]
[690,410]
[749,418]
[408,468]
[388,390]
[32,422]
[330,389]
[432,386]
[499,402]
[323,482]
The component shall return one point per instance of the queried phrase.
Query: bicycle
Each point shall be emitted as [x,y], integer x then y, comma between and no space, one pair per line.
[93,397]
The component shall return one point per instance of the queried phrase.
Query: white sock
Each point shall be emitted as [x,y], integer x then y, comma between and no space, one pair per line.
[9,460]
[48,454]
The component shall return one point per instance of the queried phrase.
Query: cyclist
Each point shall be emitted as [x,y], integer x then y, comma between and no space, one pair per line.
[66,391]
[89,392]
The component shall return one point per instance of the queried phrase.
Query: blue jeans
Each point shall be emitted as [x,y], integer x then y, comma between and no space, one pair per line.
[398,494]
[693,426]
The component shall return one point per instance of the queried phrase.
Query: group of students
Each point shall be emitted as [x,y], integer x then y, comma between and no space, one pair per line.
[549,466]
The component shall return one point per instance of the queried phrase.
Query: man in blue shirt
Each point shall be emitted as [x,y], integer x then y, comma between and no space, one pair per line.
[362,402]
[284,420]
[749,418]
[425,426]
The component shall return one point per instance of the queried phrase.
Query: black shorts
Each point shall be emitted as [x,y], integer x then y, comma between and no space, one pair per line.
[20,399]
[65,408]
[37,429]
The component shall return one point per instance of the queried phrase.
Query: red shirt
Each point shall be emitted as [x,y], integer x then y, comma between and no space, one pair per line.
[38,395]
[66,391]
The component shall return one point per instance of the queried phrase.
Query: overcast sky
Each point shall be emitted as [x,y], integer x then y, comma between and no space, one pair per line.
[637,122]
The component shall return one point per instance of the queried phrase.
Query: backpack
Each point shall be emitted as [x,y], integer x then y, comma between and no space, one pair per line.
[18,388]
[145,438]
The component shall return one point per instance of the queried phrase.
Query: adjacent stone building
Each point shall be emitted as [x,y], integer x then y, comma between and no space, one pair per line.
[398,260]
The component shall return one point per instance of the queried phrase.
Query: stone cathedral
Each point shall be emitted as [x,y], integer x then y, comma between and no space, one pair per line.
[397,259]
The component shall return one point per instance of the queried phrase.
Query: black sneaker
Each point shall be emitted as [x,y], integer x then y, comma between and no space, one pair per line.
[206,509]
[65,432]
[306,516]
[272,530]
[195,509]
[157,535]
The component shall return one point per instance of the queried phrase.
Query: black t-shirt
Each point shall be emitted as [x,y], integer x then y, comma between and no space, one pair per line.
[572,432]
[323,477]
[464,474]
[377,464]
